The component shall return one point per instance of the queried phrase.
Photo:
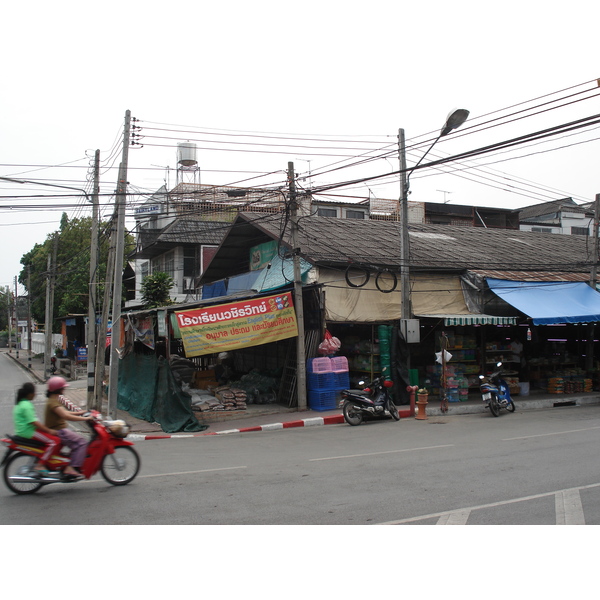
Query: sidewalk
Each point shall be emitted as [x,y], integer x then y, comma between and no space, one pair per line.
[274,416]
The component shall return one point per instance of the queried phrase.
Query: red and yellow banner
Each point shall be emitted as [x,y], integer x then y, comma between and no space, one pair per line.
[237,324]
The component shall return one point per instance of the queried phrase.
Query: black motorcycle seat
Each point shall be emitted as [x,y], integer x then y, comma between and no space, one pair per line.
[27,441]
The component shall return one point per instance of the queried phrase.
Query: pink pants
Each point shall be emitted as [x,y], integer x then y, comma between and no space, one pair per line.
[77,443]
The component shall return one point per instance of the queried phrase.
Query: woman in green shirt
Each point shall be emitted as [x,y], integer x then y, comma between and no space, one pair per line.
[28,426]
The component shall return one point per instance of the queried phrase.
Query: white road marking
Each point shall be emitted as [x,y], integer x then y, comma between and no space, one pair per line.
[527,437]
[457,517]
[572,509]
[189,472]
[379,453]
[569,510]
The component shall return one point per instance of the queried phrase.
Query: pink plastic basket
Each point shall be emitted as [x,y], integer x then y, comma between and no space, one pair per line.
[339,363]
[320,365]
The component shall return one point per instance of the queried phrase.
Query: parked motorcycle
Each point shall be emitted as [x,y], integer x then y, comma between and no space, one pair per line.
[495,392]
[108,452]
[374,401]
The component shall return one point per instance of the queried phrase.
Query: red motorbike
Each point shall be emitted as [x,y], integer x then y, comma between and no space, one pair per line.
[108,452]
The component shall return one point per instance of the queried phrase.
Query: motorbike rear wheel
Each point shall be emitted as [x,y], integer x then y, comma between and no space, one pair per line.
[352,416]
[121,467]
[20,465]
[510,407]
[494,407]
[393,410]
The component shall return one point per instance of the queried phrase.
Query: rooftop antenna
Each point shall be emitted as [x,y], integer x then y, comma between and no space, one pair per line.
[444,192]
[168,170]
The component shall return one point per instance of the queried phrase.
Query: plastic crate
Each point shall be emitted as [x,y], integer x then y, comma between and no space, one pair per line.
[339,363]
[319,365]
[321,381]
[342,380]
[322,400]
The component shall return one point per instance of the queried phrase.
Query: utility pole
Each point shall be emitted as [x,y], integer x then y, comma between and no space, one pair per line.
[91,328]
[29,327]
[16,319]
[118,274]
[9,317]
[101,341]
[300,351]
[589,353]
[50,280]
[404,243]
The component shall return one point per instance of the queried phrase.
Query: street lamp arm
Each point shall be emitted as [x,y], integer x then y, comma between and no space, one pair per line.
[65,187]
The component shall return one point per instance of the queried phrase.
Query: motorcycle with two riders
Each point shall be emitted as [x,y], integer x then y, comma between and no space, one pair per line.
[108,452]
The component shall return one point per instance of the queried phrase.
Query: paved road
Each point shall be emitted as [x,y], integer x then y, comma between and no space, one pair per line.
[530,467]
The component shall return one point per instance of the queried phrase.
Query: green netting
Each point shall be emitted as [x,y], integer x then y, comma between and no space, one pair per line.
[148,391]
[384,334]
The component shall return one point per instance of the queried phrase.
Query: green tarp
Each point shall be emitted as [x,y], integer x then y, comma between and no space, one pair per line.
[148,391]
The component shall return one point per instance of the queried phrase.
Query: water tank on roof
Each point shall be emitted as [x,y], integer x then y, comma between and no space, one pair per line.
[186,154]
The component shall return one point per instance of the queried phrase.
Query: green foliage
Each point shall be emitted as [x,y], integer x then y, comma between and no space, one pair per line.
[155,290]
[5,305]
[72,267]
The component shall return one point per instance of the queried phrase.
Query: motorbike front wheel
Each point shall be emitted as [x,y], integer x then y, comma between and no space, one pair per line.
[121,467]
[393,410]
[494,407]
[19,466]
[510,407]
[352,416]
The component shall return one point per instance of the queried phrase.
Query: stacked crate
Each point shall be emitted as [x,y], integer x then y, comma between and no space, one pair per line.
[325,378]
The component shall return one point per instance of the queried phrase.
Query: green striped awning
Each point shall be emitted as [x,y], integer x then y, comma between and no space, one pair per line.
[473,319]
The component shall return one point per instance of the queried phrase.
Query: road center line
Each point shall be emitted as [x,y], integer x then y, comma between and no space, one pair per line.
[379,453]
[189,472]
[526,437]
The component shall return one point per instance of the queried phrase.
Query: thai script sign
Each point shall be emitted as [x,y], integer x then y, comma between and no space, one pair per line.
[237,324]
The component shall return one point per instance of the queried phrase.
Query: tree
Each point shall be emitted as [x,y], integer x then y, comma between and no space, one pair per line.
[72,267]
[155,290]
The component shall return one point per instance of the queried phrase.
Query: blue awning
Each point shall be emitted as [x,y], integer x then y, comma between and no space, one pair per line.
[549,303]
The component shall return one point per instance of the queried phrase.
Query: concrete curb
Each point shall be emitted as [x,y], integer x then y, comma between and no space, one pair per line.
[312,422]
[454,409]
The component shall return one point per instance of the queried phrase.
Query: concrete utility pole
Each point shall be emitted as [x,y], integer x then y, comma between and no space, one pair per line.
[101,341]
[405,310]
[93,296]
[50,281]
[589,351]
[29,327]
[300,352]
[118,274]
[16,318]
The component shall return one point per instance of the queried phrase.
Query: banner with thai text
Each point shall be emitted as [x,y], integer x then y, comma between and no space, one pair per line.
[237,324]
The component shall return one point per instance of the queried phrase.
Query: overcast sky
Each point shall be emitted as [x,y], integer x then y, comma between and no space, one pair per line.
[316,83]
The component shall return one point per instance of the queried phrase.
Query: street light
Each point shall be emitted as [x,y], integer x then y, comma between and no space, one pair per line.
[454,120]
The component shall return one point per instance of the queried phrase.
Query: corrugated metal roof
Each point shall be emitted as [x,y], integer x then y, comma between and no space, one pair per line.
[343,241]
[532,275]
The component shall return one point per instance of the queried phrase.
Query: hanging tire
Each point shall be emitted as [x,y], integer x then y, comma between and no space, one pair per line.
[494,408]
[510,407]
[352,416]
[393,410]
[121,467]
[363,272]
[394,279]
[19,466]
